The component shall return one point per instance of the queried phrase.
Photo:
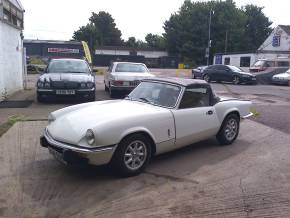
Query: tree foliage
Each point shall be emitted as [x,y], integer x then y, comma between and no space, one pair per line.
[155,41]
[100,31]
[233,29]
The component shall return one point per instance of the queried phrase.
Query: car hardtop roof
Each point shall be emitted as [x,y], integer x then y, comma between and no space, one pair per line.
[177,81]
[67,59]
[123,62]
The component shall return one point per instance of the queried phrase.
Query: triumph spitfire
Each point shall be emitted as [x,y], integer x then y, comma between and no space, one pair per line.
[158,116]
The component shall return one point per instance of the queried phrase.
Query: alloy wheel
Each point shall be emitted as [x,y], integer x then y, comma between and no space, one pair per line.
[231,129]
[135,155]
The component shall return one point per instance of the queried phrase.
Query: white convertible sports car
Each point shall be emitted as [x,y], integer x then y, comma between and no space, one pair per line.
[159,115]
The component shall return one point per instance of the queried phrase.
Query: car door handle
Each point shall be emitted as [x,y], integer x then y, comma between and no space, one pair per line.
[210,112]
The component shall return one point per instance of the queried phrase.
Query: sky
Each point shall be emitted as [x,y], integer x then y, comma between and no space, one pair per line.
[58,19]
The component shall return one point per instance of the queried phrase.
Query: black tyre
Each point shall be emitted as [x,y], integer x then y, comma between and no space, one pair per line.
[132,155]
[113,93]
[92,97]
[207,78]
[236,80]
[40,99]
[106,88]
[229,130]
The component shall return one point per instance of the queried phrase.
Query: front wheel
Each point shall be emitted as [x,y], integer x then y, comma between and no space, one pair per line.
[229,130]
[132,155]
[236,80]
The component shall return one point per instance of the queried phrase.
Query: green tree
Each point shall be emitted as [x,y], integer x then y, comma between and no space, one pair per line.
[155,41]
[100,31]
[186,31]
[257,26]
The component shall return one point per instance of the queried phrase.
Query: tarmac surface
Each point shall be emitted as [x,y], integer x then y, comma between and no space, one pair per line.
[250,178]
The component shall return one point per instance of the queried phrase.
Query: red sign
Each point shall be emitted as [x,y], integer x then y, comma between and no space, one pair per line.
[63,50]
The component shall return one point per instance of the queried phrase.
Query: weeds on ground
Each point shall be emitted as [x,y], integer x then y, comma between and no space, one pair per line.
[4,127]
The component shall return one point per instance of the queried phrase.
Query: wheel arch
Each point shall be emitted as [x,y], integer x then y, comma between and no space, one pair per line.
[143,132]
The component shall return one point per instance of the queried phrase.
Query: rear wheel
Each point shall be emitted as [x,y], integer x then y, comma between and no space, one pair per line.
[236,80]
[207,78]
[132,155]
[229,130]
[113,93]
[106,87]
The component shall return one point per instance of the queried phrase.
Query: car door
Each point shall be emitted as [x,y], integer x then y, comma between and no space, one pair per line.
[196,118]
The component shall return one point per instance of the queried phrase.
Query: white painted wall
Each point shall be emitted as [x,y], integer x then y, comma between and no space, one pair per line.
[152,54]
[284,41]
[11,71]
[146,54]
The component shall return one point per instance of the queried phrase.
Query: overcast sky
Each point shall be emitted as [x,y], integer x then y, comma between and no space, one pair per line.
[58,19]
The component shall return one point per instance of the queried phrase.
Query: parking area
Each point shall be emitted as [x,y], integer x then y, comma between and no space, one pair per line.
[247,179]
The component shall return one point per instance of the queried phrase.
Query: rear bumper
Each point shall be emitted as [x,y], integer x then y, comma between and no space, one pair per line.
[73,154]
[123,88]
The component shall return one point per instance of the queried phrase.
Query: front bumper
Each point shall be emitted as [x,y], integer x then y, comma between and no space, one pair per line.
[74,154]
[251,80]
[281,82]
[79,93]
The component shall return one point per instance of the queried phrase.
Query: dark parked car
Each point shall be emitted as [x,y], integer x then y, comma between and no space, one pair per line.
[198,72]
[66,78]
[228,73]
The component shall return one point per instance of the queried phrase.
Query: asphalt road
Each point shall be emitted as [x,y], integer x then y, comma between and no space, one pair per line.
[272,102]
[247,179]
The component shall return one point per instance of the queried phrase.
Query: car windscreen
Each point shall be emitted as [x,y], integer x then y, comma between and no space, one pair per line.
[161,94]
[235,69]
[68,66]
[134,68]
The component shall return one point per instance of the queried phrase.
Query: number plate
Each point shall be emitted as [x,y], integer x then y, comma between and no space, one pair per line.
[58,156]
[65,92]
[126,83]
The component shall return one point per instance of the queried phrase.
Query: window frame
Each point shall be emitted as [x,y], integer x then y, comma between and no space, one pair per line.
[210,95]
[11,15]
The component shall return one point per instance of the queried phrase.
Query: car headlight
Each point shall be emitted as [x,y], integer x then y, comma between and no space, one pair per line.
[50,118]
[83,85]
[47,85]
[40,84]
[90,85]
[90,137]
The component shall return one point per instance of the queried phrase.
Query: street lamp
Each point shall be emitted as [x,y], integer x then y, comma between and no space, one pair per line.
[207,52]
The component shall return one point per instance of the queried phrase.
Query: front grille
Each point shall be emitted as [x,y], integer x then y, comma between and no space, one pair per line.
[64,85]
[134,83]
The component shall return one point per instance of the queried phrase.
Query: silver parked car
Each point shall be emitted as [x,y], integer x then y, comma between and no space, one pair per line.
[282,78]
[125,76]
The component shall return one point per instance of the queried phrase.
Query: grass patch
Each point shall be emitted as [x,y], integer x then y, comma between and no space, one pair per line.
[4,127]
[255,112]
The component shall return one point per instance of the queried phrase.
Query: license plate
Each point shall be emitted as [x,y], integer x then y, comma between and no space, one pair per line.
[126,83]
[65,92]
[57,155]
[253,78]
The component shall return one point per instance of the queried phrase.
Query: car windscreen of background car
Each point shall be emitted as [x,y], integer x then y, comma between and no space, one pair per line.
[67,66]
[235,69]
[156,93]
[134,68]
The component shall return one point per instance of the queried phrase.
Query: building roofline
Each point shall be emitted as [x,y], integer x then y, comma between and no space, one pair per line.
[125,48]
[37,41]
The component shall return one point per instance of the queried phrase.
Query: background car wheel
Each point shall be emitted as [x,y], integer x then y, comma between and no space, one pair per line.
[236,80]
[229,130]
[106,88]
[207,78]
[92,97]
[193,77]
[40,99]
[113,93]
[132,155]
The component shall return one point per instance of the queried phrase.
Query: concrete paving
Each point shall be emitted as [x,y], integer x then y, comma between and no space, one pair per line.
[250,178]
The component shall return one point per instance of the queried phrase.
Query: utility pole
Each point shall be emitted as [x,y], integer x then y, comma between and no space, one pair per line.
[226,42]
[207,52]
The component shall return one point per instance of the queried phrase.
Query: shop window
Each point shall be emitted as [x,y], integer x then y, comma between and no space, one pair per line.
[245,61]
[227,61]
